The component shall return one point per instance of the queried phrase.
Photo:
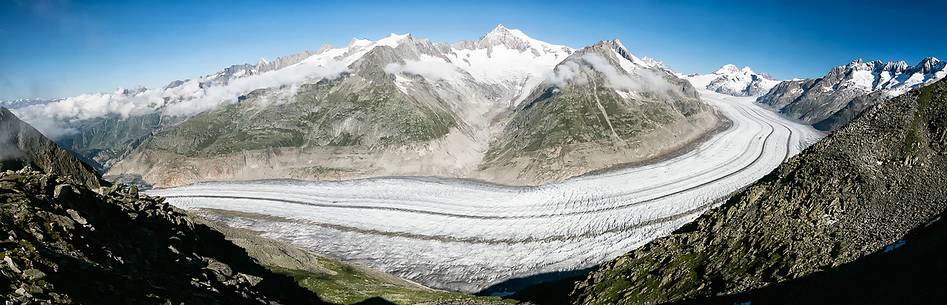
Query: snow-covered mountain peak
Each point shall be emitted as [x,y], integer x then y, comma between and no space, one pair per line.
[508,58]
[727,69]
[358,42]
[733,80]
[392,40]
[896,66]
[654,63]
[930,64]
[501,35]
[732,70]
[512,39]
[895,77]
[622,52]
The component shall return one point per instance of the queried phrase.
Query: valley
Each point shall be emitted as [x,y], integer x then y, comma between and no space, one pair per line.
[465,235]
[416,153]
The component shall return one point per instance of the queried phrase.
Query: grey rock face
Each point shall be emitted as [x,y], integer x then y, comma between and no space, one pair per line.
[264,65]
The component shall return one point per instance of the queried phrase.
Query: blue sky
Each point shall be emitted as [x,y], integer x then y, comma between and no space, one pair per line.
[53,48]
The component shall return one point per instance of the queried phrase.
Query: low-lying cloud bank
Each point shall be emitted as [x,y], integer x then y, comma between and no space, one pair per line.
[187,99]
[643,79]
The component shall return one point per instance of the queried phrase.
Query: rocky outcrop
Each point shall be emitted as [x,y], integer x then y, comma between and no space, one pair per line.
[853,193]
[833,100]
[21,145]
[65,243]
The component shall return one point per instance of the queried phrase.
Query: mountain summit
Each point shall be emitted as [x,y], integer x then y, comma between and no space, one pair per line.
[735,81]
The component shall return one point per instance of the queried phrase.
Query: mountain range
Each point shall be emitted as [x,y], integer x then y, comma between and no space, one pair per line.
[829,102]
[505,108]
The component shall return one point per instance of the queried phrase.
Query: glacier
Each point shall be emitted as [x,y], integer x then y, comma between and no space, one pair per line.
[466,235]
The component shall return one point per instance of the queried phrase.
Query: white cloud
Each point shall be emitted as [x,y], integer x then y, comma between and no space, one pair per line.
[564,73]
[212,97]
[185,100]
[8,147]
[636,80]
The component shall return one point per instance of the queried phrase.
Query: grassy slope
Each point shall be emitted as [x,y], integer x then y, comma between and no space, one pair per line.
[351,111]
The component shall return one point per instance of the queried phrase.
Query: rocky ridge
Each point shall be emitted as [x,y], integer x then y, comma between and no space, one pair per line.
[831,101]
[851,194]
[603,108]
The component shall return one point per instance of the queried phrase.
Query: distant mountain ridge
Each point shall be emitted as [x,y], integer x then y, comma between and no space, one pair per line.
[829,102]
[732,80]
[400,105]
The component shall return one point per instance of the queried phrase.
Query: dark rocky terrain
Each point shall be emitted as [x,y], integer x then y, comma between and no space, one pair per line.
[67,237]
[846,197]
[64,243]
[912,270]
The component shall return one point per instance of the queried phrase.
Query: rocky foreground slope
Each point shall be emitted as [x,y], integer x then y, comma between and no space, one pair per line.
[851,194]
[64,243]
[912,270]
[66,237]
